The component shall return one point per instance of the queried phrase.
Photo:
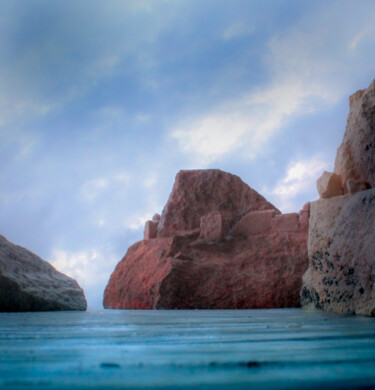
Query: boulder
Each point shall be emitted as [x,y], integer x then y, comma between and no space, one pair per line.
[303,220]
[255,222]
[341,247]
[341,243]
[215,249]
[28,283]
[355,157]
[354,186]
[199,192]
[156,218]
[179,273]
[286,223]
[150,230]
[211,227]
[329,185]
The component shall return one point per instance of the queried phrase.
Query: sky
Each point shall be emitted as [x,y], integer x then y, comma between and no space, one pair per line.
[102,102]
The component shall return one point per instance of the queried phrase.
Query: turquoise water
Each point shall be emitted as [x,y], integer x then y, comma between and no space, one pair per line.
[243,349]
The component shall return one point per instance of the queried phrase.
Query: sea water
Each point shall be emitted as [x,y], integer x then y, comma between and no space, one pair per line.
[200,349]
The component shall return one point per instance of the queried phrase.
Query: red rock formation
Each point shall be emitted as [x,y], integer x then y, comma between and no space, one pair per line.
[341,243]
[223,250]
[199,192]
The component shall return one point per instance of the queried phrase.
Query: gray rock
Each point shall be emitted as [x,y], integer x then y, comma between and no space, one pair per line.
[28,283]
[341,249]
[355,157]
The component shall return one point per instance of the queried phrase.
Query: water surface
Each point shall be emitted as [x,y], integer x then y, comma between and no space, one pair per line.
[216,349]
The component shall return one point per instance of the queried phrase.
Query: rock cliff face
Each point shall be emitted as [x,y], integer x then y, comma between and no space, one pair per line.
[28,283]
[341,244]
[355,158]
[218,245]
[200,192]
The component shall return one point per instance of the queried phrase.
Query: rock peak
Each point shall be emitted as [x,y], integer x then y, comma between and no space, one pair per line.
[218,245]
[199,192]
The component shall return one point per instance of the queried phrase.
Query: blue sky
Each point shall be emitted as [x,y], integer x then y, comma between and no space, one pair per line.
[103,102]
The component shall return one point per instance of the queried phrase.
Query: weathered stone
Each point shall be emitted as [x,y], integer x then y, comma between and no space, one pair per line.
[264,271]
[156,218]
[354,186]
[253,267]
[28,283]
[356,156]
[329,185]
[303,220]
[306,206]
[255,222]
[341,247]
[285,223]
[212,226]
[199,192]
[149,231]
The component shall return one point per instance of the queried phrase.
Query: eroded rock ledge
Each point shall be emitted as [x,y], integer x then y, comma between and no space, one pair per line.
[217,245]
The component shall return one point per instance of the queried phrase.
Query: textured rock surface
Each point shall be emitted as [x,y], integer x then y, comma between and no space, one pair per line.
[286,223]
[211,227]
[356,156]
[255,222]
[28,283]
[180,273]
[341,246]
[199,192]
[329,185]
[203,264]
[150,230]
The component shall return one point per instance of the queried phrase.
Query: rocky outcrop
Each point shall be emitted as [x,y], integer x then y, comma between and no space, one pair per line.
[199,192]
[219,245]
[28,283]
[355,158]
[329,185]
[341,274]
[341,244]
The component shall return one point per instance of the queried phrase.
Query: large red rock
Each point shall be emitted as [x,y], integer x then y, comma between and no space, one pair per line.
[356,156]
[199,192]
[219,248]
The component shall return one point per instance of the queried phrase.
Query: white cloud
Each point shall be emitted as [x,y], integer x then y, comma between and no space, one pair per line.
[94,188]
[77,265]
[90,268]
[299,179]
[367,31]
[246,124]
[310,68]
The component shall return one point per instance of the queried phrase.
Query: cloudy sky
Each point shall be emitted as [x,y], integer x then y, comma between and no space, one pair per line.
[103,102]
